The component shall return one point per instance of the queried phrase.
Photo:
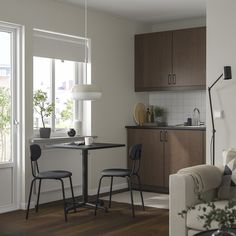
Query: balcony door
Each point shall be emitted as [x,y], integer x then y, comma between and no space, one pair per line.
[9,117]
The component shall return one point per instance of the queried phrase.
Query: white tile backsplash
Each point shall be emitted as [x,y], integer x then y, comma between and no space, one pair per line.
[179,105]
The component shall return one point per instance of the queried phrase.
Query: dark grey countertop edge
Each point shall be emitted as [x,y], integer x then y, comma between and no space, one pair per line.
[202,128]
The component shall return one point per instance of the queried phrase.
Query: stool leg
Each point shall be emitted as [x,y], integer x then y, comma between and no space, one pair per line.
[110,191]
[140,190]
[31,188]
[131,195]
[72,193]
[99,186]
[64,199]
[39,189]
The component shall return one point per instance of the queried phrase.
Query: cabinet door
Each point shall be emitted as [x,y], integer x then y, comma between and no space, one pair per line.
[183,148]
[152,165]
[189,57]
[153,60]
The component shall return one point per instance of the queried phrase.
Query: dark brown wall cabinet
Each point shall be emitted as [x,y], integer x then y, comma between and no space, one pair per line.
[164,152]
[171,60]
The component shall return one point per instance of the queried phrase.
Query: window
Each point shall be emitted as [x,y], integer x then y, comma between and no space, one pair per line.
[58,65]
[56,77]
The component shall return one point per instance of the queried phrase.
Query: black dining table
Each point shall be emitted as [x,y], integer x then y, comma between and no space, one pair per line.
[85,148]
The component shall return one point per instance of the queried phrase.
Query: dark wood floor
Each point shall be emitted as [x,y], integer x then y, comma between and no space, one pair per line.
[117,222]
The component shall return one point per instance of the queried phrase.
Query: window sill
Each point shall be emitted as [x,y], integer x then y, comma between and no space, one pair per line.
[45,142]
[54,140]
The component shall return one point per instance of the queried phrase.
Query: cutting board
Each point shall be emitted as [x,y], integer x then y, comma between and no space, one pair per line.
[139,113]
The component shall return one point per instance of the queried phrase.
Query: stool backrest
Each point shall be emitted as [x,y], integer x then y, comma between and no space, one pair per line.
[35,154]
[135,155]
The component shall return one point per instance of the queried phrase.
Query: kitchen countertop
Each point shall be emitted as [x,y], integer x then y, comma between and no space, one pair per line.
[167,127]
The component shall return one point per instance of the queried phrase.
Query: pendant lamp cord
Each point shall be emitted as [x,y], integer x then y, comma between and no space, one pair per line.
[85,36]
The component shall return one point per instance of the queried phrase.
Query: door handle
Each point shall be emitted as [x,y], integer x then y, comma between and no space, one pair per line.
[174,78]
[16,122]
[169,79]
[166,136]
[161,140]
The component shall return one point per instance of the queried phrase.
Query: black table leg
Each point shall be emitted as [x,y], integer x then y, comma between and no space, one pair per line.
[85,175]
[85,202]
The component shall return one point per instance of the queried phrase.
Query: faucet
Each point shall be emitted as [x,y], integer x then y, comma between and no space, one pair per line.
[196,117]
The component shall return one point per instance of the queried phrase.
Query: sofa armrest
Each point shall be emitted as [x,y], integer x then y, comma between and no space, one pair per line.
[206,177]
[182,194]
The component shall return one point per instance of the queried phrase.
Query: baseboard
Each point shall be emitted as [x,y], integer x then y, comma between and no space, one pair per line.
[55,195]
[23,205]
[51,196]
[4,209]
[106,189]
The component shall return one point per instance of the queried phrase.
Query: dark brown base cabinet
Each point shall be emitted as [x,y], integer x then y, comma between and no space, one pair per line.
[164,152]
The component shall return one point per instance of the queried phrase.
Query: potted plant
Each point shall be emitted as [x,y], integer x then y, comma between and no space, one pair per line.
[225,216]
[44,109]
[159,113]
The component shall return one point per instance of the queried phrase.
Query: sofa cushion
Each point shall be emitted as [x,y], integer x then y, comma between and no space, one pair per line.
[193,220]
[227,189]
[229,158]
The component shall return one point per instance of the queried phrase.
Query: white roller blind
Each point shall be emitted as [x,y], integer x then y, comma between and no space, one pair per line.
[59,46]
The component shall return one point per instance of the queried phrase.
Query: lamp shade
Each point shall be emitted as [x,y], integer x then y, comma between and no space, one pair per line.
[227,72]
[86,92]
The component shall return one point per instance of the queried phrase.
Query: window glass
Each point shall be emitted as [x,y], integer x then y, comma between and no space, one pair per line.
[64,105]
[42,80]
[5,97]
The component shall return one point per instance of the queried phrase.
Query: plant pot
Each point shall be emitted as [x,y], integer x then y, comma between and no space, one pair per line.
[44,132]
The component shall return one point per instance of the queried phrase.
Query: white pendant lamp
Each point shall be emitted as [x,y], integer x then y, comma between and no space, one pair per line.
[86,91]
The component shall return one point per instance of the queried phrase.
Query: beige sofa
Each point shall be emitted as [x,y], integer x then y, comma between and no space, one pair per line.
[188,183]
[184,189]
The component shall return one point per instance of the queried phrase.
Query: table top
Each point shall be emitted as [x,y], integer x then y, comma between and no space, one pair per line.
[209,232]
[93,146]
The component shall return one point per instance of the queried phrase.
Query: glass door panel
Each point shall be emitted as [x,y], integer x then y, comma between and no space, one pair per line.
[5,97]
[64,80]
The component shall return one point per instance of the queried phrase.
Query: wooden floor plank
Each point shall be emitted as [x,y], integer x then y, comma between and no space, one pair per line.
[49,221]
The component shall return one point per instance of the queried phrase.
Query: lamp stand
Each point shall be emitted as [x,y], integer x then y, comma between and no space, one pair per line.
[212,121]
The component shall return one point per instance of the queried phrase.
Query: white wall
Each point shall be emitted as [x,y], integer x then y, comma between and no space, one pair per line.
[221,51]
[179,24]
[112,68]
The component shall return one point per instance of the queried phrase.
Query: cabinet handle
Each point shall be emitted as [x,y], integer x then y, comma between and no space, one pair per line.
[174,78]
[161,140]
[166,136]
[169,79]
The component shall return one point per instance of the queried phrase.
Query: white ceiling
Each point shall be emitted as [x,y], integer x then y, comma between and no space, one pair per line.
[149,11]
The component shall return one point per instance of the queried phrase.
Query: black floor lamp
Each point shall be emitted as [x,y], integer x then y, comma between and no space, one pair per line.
[226,76]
